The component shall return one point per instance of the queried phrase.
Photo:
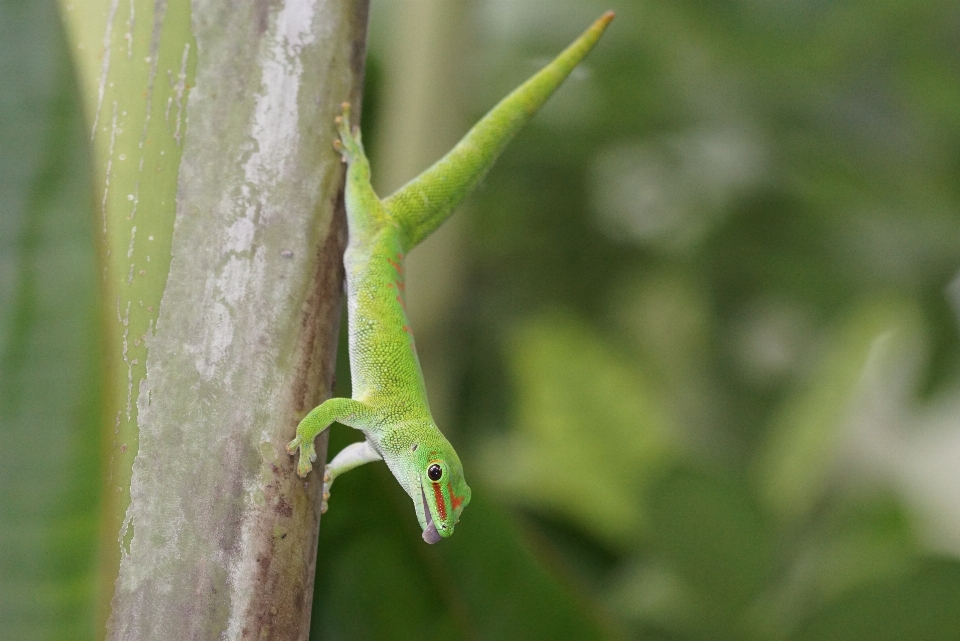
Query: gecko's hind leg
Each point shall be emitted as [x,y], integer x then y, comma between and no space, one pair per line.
[353,455]
[350,144]
[365,212]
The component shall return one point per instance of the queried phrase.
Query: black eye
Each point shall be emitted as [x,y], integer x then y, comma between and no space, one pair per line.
[435,472]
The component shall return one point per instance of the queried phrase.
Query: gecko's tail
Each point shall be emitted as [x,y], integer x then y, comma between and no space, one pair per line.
[424,203]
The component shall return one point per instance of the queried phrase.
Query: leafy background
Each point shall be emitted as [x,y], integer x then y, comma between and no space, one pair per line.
[50,463]
[697,343]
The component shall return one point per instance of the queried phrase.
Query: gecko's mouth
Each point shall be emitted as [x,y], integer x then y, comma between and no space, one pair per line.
[430,534]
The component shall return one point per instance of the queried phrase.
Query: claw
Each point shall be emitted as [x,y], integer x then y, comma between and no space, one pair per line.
[292,446]
[307,456]
[344,117]
[303,467]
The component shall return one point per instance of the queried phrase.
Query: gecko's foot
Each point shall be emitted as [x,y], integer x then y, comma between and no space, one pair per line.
[307,454]
[349,145]
[327,482]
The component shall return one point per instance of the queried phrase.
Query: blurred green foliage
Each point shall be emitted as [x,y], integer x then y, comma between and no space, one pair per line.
[49,364]
[710,306]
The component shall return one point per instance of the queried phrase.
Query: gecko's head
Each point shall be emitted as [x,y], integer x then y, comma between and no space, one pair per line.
[441,492]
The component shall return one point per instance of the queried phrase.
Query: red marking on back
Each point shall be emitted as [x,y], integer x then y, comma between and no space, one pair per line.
[441,508]
[406,328]
[396,265]
[390,285]
[402,304]
[455,501]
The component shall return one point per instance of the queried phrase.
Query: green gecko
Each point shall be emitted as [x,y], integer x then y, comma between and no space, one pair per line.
[389,403]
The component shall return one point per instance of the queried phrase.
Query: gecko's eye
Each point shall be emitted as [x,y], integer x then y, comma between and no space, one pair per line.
[435,472]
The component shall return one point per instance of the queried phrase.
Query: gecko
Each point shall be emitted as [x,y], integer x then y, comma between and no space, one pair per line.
[389,400]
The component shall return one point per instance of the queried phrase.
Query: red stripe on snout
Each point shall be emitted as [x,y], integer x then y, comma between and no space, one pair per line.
[441,507]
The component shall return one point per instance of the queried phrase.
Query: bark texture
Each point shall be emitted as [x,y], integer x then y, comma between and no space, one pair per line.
[218,540]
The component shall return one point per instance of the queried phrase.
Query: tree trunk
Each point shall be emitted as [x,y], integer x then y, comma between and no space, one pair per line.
[220,210]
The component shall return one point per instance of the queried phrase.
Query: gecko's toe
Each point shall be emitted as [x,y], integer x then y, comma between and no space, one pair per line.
[307,457]
[324,507]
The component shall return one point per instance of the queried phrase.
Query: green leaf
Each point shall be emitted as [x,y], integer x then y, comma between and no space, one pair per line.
[376,578]
[921,606]
[711,530]
[49,373]
[857,540]
[709,534]
[797,462]
[590,430]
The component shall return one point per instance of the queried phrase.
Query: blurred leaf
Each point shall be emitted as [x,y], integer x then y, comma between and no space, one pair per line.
[663,321]
[868,539]
[713,533]
[506,586]
[652,596]
[922,606]
[376,579]
[377,589]
[802,443]
[49,366]
[590,432]
[857,540]
[712,536]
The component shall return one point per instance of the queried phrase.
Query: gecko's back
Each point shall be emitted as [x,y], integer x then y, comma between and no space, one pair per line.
[383,361]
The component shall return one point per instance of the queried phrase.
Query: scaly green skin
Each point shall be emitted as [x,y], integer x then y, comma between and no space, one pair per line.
[389,403]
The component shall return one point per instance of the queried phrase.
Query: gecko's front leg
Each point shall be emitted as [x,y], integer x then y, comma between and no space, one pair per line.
[344,410]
